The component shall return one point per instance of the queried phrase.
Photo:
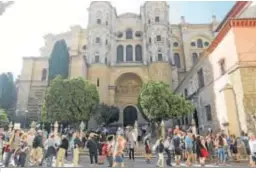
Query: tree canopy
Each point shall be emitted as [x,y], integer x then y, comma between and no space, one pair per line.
[3,118]
[107,114]
[71,100]
[7,93]
[59,60]
[158,102]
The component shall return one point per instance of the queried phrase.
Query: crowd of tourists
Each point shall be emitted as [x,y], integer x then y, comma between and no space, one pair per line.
[218,148]
[37,148]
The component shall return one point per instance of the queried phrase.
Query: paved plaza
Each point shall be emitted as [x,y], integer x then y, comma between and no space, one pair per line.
[140,163]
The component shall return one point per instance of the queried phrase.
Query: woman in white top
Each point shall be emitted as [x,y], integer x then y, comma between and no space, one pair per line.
[252,144]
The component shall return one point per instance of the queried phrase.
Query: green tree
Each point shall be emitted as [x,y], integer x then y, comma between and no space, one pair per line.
[8,94]
[107,114]
[72,100]
[59,61]
[158,102]
[3,119]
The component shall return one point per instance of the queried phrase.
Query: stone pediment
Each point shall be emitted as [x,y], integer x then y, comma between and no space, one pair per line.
[128,15]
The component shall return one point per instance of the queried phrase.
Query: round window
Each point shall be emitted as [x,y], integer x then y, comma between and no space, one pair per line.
[138,34]
[175,44]
[119,34]
[193,44]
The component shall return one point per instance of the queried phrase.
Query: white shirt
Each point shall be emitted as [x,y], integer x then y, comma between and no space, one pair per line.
[252,144]
[30,140]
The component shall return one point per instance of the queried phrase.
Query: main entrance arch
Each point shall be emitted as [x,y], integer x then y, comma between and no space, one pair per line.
[130,116]
[127,91]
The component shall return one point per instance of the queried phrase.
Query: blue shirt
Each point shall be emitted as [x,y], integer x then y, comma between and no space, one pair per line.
[188,142]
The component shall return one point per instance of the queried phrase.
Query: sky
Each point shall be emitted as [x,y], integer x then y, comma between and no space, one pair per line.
[24,24]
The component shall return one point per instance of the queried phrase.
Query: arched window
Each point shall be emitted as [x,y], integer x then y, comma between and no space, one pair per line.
[44,74]
[138,53]
[129,34]
[194,58]
[177,60]
[129,53]
[199,43]
[97,59]
[120,53]
[186,93]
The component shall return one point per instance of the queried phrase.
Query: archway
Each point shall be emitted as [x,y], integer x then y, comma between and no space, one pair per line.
[195,116]
[128,87]
[130,116]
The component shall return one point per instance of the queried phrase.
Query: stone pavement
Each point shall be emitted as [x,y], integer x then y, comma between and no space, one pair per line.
[140,163]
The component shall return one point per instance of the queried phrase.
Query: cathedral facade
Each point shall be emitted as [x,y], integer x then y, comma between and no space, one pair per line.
[118,53]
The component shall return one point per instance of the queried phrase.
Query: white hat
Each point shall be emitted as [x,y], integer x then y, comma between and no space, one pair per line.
[16,126]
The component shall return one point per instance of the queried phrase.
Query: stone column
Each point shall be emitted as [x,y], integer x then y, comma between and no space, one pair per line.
[193,124]
[225,125]
[162,125]
[136,130]
[51,128]
[56,126]
[231,108]
[82,126]
[10,127]
[111,91]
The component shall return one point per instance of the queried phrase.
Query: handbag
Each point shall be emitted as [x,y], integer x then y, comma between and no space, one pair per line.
[204,152]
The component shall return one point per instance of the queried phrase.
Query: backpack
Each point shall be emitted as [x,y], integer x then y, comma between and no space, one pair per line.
[35,143]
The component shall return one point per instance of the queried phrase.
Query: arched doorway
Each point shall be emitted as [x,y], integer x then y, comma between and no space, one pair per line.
[130,115]
[128,87]
[195,116]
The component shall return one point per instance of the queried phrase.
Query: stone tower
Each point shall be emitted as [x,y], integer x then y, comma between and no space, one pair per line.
[99,45]
[156,19]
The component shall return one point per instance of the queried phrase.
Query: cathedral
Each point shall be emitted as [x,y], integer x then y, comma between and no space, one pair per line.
[118,53]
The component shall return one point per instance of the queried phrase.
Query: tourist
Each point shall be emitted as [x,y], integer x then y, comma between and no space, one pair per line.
[77,144]
[110,143]
[11,146]
[177,148]
[93,149]
[147,149]
[160,161]
[168,147]
[189,148]
[252,145]
[221,152]
[194,157]
[50,147]
[21,152]
[118,151]
[63,147]
[234,147]
[1,147]
[202,150]
[37,150]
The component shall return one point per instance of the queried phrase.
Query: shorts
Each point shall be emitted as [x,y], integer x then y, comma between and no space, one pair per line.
[189,150]
[119,159]
[177,151]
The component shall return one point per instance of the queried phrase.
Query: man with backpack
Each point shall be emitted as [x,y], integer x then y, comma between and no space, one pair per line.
[37,149]
[168,148]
